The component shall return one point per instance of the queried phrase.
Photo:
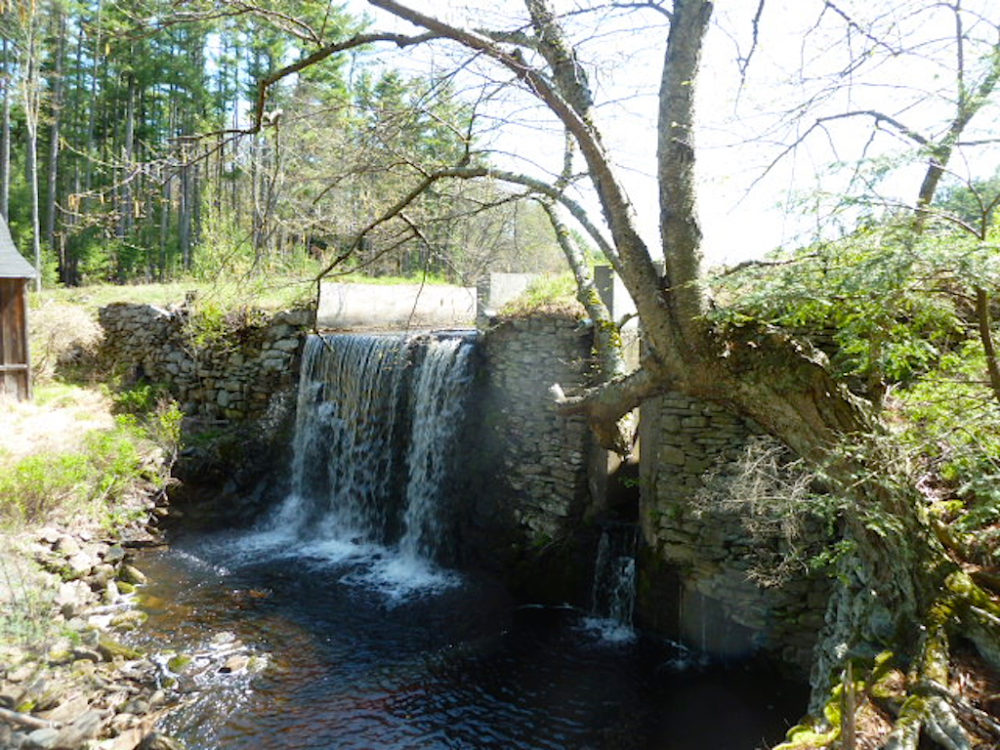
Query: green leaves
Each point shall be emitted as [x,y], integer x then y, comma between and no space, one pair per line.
[895,312]
[883,305]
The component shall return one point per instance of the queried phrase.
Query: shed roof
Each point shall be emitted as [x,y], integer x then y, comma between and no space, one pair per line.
[12,265]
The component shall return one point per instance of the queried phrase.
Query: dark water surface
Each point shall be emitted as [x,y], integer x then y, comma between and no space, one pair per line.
[365,649]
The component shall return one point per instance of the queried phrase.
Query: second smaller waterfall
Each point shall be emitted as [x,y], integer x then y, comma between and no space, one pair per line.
[613,591]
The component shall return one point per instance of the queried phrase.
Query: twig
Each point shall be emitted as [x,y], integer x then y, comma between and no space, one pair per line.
[26,720]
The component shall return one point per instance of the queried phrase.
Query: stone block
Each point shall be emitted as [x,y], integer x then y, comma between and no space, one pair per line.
[673,455]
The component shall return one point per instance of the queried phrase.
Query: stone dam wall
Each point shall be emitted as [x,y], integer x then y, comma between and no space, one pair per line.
[533,480]
[224,377]
[711,573]
[544,454]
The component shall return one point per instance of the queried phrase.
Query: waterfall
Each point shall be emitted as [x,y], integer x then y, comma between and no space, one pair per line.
[378,415]
[613,590]
[439,391]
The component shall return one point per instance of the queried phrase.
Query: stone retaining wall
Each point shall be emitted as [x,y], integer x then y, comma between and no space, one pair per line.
[697,582]
[224,377]
[533,478]
[544,454]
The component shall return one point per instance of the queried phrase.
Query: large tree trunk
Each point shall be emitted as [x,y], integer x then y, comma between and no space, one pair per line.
[900,587]
[184,212]
[32,97]
[126,208]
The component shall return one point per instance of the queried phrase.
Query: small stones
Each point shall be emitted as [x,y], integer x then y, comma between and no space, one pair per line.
[48,536]
[235,663]
[86,654]
[23,672]
[72,598]
[127,739]
[99,577]
[178,663]
[114,554]
[157,741]
[80,565]
[110,649]
[224,638]
[41,739]
[136,707]
[66,546]
[84,727]
[68,710]
[111,593]
[7,696]
[129,619]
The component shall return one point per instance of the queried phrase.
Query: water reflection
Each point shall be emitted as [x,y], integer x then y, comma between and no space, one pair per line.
[352,664]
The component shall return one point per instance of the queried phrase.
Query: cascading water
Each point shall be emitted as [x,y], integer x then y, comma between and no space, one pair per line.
[613,591]
[439,390]
[378,415]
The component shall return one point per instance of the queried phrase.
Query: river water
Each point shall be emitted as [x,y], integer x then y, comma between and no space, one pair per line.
[362,649]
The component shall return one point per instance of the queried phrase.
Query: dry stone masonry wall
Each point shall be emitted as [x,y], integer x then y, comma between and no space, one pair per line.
[226,377]
[544,454]
[706,552]
[695,570]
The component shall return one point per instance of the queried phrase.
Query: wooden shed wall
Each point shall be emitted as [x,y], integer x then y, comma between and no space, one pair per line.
[15,377]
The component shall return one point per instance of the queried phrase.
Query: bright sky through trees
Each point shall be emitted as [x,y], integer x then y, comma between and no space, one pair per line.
[813,61]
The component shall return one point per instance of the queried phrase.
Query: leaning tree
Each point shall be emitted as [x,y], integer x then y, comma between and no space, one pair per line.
[903,588]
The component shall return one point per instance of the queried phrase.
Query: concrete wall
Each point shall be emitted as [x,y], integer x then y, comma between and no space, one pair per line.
[497,289]
[397,306]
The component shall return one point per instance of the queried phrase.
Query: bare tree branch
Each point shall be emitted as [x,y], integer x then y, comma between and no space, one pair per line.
[743,62]
[820,124]
[617,208]
[854,25]
[359,40]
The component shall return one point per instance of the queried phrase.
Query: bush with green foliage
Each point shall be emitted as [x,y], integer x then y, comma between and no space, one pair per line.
[895,310]
[884,303]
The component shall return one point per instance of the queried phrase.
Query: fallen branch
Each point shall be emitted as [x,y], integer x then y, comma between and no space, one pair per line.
[26,720]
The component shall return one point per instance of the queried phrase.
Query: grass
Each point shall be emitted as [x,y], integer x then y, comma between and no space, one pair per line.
[88,476]
[357,278]
[84,483]
[269,293]
[25,600]
[552,294]
[273,293]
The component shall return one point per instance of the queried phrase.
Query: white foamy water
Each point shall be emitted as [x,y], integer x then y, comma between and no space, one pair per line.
[613,592]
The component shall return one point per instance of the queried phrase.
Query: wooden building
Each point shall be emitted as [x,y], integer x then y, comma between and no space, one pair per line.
[15,273]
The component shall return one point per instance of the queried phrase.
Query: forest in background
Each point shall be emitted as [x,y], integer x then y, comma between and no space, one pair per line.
[129,150]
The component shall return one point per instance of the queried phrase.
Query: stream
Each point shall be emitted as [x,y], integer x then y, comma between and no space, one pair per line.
[363,647]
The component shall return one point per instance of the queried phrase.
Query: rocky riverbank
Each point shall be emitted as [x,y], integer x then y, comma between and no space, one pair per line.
[73,677]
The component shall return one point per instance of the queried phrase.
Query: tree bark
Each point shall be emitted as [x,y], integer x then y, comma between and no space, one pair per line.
[5,132]
[59,25]
[899,580]
[31,98]
[126,208]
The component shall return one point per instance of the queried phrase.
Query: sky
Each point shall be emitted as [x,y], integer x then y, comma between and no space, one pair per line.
[747,207]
